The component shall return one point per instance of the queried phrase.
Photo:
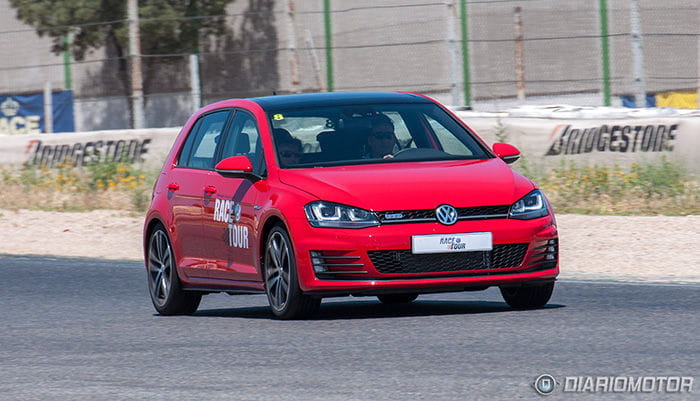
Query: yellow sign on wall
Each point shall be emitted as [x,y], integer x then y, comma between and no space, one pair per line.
[679,100]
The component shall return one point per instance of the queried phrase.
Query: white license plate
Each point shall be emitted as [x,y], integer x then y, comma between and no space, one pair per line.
[443,243]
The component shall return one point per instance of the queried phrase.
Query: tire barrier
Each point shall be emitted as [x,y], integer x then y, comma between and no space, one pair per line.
[146,146]
[547,141]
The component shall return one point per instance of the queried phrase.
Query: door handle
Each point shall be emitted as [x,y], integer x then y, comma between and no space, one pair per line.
[172,187]
[210,189]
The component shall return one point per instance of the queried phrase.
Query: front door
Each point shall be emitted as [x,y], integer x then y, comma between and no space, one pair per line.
[230,219]
[187,192]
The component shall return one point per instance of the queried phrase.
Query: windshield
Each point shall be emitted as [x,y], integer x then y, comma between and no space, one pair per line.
[363,134]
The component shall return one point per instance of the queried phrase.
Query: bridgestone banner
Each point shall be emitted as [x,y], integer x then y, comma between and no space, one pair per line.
[147,146]
[548,142]
[543,141]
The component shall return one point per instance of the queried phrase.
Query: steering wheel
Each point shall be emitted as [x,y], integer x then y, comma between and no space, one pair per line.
[411,153]
[406,153]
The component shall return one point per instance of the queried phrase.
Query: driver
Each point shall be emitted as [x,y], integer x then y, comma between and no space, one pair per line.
[381,140]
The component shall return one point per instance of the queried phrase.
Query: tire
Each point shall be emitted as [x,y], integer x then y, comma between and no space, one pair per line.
[397,298]
[164,286]
[286,299]
[527,296]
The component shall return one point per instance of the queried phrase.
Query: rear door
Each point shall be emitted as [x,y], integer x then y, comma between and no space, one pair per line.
[230,221]
[187,191]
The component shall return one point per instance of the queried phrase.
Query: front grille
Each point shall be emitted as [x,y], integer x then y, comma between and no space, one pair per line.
[466,212]
[507,255]
[427,215]
[403,261]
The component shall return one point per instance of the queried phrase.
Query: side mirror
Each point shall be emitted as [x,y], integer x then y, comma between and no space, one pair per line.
[508,153]
[235,166]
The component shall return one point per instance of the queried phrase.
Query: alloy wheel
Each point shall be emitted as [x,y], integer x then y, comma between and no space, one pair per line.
[277,270]
[160,267]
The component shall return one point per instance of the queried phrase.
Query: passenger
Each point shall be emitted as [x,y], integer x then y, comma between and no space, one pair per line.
[289,150]
[381,140]
[281,135]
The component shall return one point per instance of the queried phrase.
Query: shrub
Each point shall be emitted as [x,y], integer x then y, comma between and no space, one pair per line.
[659,187]
[66,187]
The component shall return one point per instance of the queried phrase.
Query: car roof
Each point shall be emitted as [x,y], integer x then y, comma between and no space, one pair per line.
[335,99]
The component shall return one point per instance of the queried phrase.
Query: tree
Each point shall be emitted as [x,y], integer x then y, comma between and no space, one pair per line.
[96,24]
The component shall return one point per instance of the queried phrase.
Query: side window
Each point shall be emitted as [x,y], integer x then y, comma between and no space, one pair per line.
[450,143]
[186,151]
[243,138]
[200,146]
[400,129]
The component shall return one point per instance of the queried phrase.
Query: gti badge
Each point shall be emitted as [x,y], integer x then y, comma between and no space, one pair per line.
[446,215]
[390,216]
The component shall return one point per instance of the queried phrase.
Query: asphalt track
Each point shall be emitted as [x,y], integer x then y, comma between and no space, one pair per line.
[85,330]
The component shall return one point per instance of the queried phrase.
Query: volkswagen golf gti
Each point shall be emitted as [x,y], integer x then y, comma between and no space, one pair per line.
[308,196]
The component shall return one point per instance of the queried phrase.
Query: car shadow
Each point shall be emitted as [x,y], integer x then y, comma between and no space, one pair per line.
[375,309]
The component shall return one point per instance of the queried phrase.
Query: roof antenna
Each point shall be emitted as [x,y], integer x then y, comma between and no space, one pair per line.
[274,93]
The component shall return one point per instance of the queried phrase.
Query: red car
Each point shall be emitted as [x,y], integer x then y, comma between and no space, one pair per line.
[309,196]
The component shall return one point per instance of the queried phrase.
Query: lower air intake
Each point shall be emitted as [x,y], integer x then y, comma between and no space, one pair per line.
[403,261]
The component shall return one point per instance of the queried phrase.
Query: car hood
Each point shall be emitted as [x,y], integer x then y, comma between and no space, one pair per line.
[413,185]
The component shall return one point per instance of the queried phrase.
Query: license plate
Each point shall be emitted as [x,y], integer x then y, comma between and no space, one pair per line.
[445,243]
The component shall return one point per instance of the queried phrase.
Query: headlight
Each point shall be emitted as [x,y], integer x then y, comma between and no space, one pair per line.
[531,206]
[335,215]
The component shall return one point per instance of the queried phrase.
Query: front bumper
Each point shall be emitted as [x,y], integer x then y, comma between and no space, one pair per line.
[352,266]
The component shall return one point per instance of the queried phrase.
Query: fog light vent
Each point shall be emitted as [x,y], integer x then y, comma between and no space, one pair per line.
[331,263]
[317,262]
[545,254]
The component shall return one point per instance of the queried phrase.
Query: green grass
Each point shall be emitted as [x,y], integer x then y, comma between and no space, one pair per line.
[648,188]
[637,189]
[107,185]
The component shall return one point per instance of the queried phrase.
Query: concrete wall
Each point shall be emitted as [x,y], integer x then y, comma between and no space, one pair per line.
[561,55]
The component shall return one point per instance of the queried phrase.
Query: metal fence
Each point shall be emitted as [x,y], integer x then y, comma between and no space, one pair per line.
[486,53]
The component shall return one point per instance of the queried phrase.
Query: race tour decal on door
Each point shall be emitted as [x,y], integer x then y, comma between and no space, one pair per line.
[227,211]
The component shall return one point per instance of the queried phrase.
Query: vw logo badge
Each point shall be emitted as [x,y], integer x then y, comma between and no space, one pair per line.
[446,215]
[545,384]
